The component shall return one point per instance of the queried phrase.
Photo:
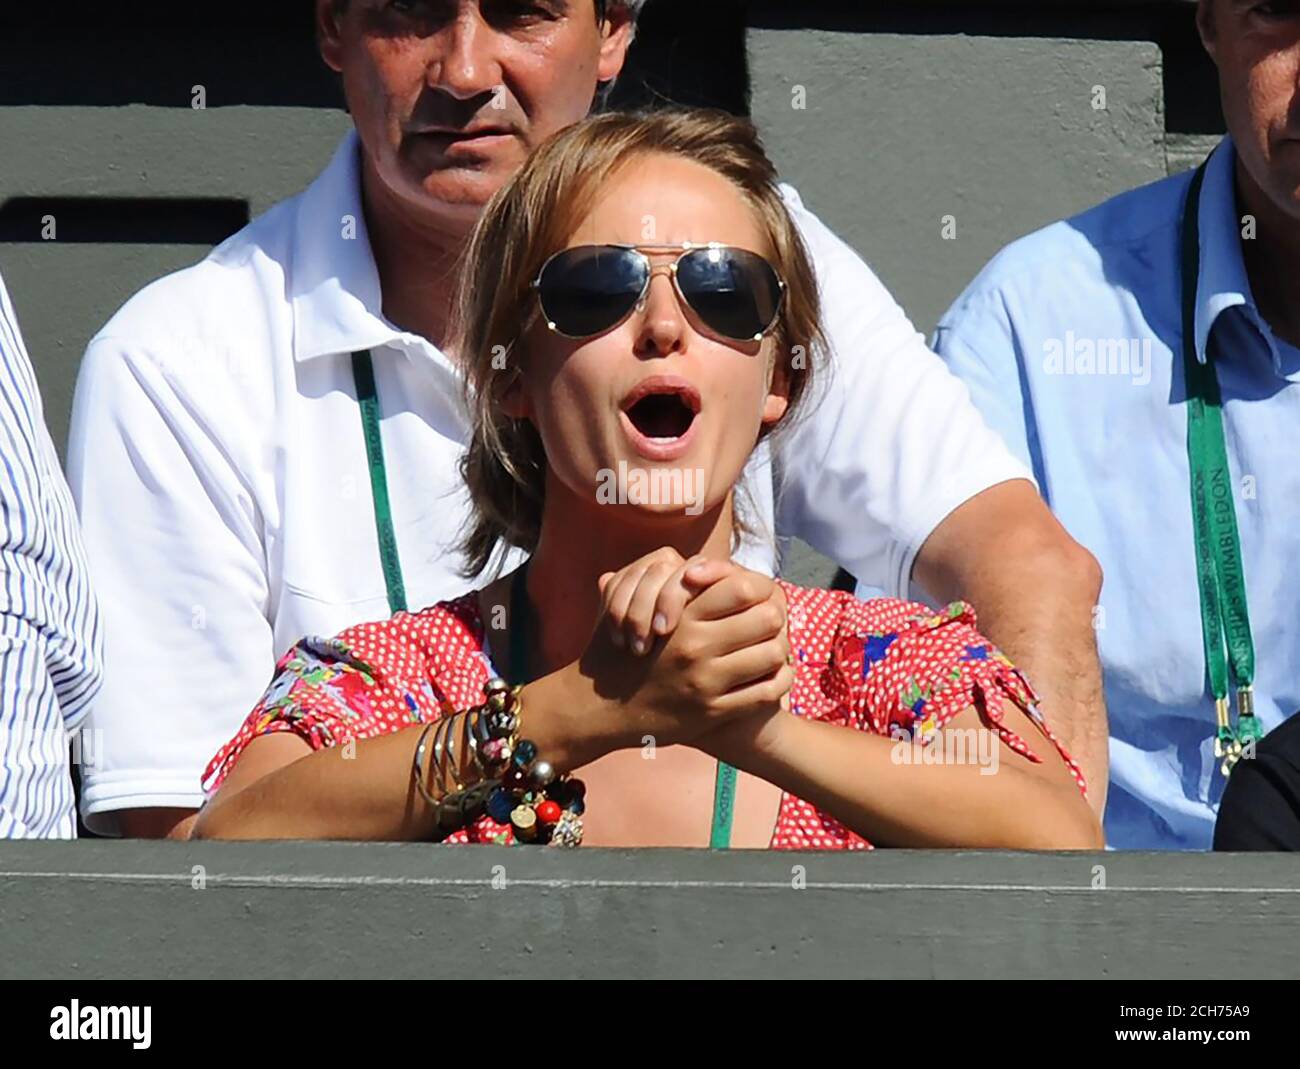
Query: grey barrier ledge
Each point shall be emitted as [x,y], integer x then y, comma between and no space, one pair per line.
[108,909]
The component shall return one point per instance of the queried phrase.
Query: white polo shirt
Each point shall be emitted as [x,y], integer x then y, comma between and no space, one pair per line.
[219,468]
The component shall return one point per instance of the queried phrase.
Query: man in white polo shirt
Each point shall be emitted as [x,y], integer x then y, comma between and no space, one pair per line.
[229,421]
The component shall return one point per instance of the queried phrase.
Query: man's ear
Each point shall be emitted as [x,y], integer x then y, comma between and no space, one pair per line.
[1205,26]
[329,38]
[616,37]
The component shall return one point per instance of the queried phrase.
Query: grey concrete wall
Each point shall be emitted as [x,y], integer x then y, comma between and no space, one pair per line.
[110,910]
[891,139]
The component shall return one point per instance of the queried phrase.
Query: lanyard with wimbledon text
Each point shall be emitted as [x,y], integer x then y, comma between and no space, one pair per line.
[1225,617]
[363,373]
[724,788]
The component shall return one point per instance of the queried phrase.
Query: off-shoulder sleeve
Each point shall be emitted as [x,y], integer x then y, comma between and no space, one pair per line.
[369,680]
[905,670]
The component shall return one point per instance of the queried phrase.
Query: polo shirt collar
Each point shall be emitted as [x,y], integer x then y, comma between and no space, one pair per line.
[1222,282]
[333,281]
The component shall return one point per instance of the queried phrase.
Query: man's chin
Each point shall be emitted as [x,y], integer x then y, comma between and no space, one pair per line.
[456,194]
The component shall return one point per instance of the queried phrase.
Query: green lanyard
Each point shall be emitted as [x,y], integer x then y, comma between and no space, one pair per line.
[363,374]
[1221,583]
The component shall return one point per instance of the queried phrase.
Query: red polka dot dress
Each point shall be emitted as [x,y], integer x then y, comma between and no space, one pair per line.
[889,667]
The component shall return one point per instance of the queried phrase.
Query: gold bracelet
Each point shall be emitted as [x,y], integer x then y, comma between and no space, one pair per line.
[453,729]
[440,756]
[471,737]
[417,766]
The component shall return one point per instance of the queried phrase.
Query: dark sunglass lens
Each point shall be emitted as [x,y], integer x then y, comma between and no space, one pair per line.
[734,291]
[587,290]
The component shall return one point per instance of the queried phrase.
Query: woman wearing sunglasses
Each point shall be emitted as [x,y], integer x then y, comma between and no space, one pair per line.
[638,315]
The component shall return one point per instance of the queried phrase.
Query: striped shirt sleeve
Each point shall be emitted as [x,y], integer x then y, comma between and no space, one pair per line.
[50,641]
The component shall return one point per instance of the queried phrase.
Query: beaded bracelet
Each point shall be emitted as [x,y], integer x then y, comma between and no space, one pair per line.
[539,806]
[519,789]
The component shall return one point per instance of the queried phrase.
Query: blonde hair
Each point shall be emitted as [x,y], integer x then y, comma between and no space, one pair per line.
[532,217]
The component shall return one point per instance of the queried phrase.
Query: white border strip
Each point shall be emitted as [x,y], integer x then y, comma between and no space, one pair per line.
[322,882]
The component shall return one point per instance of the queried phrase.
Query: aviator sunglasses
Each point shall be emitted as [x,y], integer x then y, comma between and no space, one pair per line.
[588,289]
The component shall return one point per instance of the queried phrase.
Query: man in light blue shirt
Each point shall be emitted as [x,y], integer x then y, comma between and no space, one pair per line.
[1071,342]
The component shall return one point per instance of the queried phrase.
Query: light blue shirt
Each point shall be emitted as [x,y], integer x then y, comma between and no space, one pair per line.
[1070,342]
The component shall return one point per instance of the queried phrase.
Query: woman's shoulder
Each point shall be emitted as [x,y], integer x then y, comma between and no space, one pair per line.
[889,654]
[888,665]
[417,641]
[455,622]
[838,613]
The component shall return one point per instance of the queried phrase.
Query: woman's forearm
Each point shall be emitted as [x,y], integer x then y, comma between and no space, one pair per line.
[355,791]
[880,789]
[366,791]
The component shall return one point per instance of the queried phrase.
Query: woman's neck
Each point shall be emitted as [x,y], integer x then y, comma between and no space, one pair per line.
[582,539]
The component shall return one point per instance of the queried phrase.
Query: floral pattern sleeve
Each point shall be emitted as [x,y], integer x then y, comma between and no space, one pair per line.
[369,680]
[906,670]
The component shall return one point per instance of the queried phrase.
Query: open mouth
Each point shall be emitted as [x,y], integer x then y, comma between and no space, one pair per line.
[659,415]
[662,415]
[662,406]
